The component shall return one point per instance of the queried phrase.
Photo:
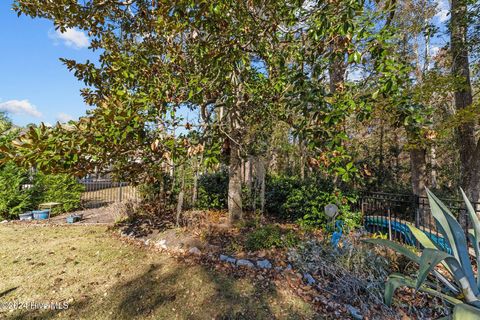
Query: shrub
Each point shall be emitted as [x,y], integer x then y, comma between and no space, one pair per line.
[14,200]
[213,191]
[270,236]
[278,189]
[304,201]
[60,188]
[355,274]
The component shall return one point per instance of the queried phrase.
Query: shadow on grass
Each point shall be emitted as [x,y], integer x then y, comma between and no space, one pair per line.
[4,293]
[163,292]
[254,305]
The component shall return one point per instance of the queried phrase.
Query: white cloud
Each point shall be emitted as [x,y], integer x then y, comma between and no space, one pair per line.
[434,50]
[21,107]
[71,37]
[443,10]
[63,117]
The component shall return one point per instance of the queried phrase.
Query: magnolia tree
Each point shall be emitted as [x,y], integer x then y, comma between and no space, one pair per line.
[238,63]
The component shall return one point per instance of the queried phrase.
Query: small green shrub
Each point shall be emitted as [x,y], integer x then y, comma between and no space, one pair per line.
[60,188]
[213,191]
[14,200]
[270,236]
[21,191]
[278,189]
[304,201]
[308,202]
[160,189]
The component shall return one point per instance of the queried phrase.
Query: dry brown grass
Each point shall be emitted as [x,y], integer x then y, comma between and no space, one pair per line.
[103,278]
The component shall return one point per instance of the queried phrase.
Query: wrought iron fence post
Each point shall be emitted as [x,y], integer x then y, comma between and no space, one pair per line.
[416,209]
[389,224]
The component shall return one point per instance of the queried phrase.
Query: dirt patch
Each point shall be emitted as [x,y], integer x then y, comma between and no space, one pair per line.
[107,215]
[98,215]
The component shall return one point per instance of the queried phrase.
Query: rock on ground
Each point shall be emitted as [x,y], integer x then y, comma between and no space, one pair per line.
[227,258]
[264,264]
[245,263]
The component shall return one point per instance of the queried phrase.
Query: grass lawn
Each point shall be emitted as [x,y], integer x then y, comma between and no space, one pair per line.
[101,277]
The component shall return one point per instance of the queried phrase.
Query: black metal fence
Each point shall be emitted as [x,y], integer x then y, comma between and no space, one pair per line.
[102,192]
[388,213]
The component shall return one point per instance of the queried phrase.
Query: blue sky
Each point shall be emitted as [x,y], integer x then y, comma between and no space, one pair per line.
[36,87]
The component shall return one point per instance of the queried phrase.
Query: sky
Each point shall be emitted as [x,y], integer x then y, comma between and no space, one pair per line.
[36,87]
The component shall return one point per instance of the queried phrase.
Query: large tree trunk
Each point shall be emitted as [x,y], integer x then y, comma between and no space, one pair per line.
[235,167]
[466,139]
[235,183]
[418,165]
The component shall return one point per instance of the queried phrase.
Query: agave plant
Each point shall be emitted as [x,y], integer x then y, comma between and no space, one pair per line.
[462,286]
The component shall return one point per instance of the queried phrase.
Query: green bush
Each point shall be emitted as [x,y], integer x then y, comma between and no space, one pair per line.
[304,201]
[60,188]
[278,189]
[161,188]
[213,191]
[14,200]
[311,202]
[270,236]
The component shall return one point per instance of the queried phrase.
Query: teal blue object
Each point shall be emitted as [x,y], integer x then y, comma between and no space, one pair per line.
[337,235]
[41,214]
[401,227]
[73,219]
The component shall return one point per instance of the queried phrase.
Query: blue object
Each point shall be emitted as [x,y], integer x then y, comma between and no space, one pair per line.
[402,228]
[337,234]
[73,218]
[41,214]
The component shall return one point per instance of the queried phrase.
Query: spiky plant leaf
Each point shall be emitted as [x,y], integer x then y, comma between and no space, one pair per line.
[465,311]
[421,237]
[429,259]
[475,235]
[396,280]
[396,247]
[453,232]
[424,240]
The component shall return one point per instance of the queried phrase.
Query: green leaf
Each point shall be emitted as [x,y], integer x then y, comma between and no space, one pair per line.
[396,247]
[475,235]
[421,237]
[453,232]
[465,311]
[396,280]
[429,259]
[425,241]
